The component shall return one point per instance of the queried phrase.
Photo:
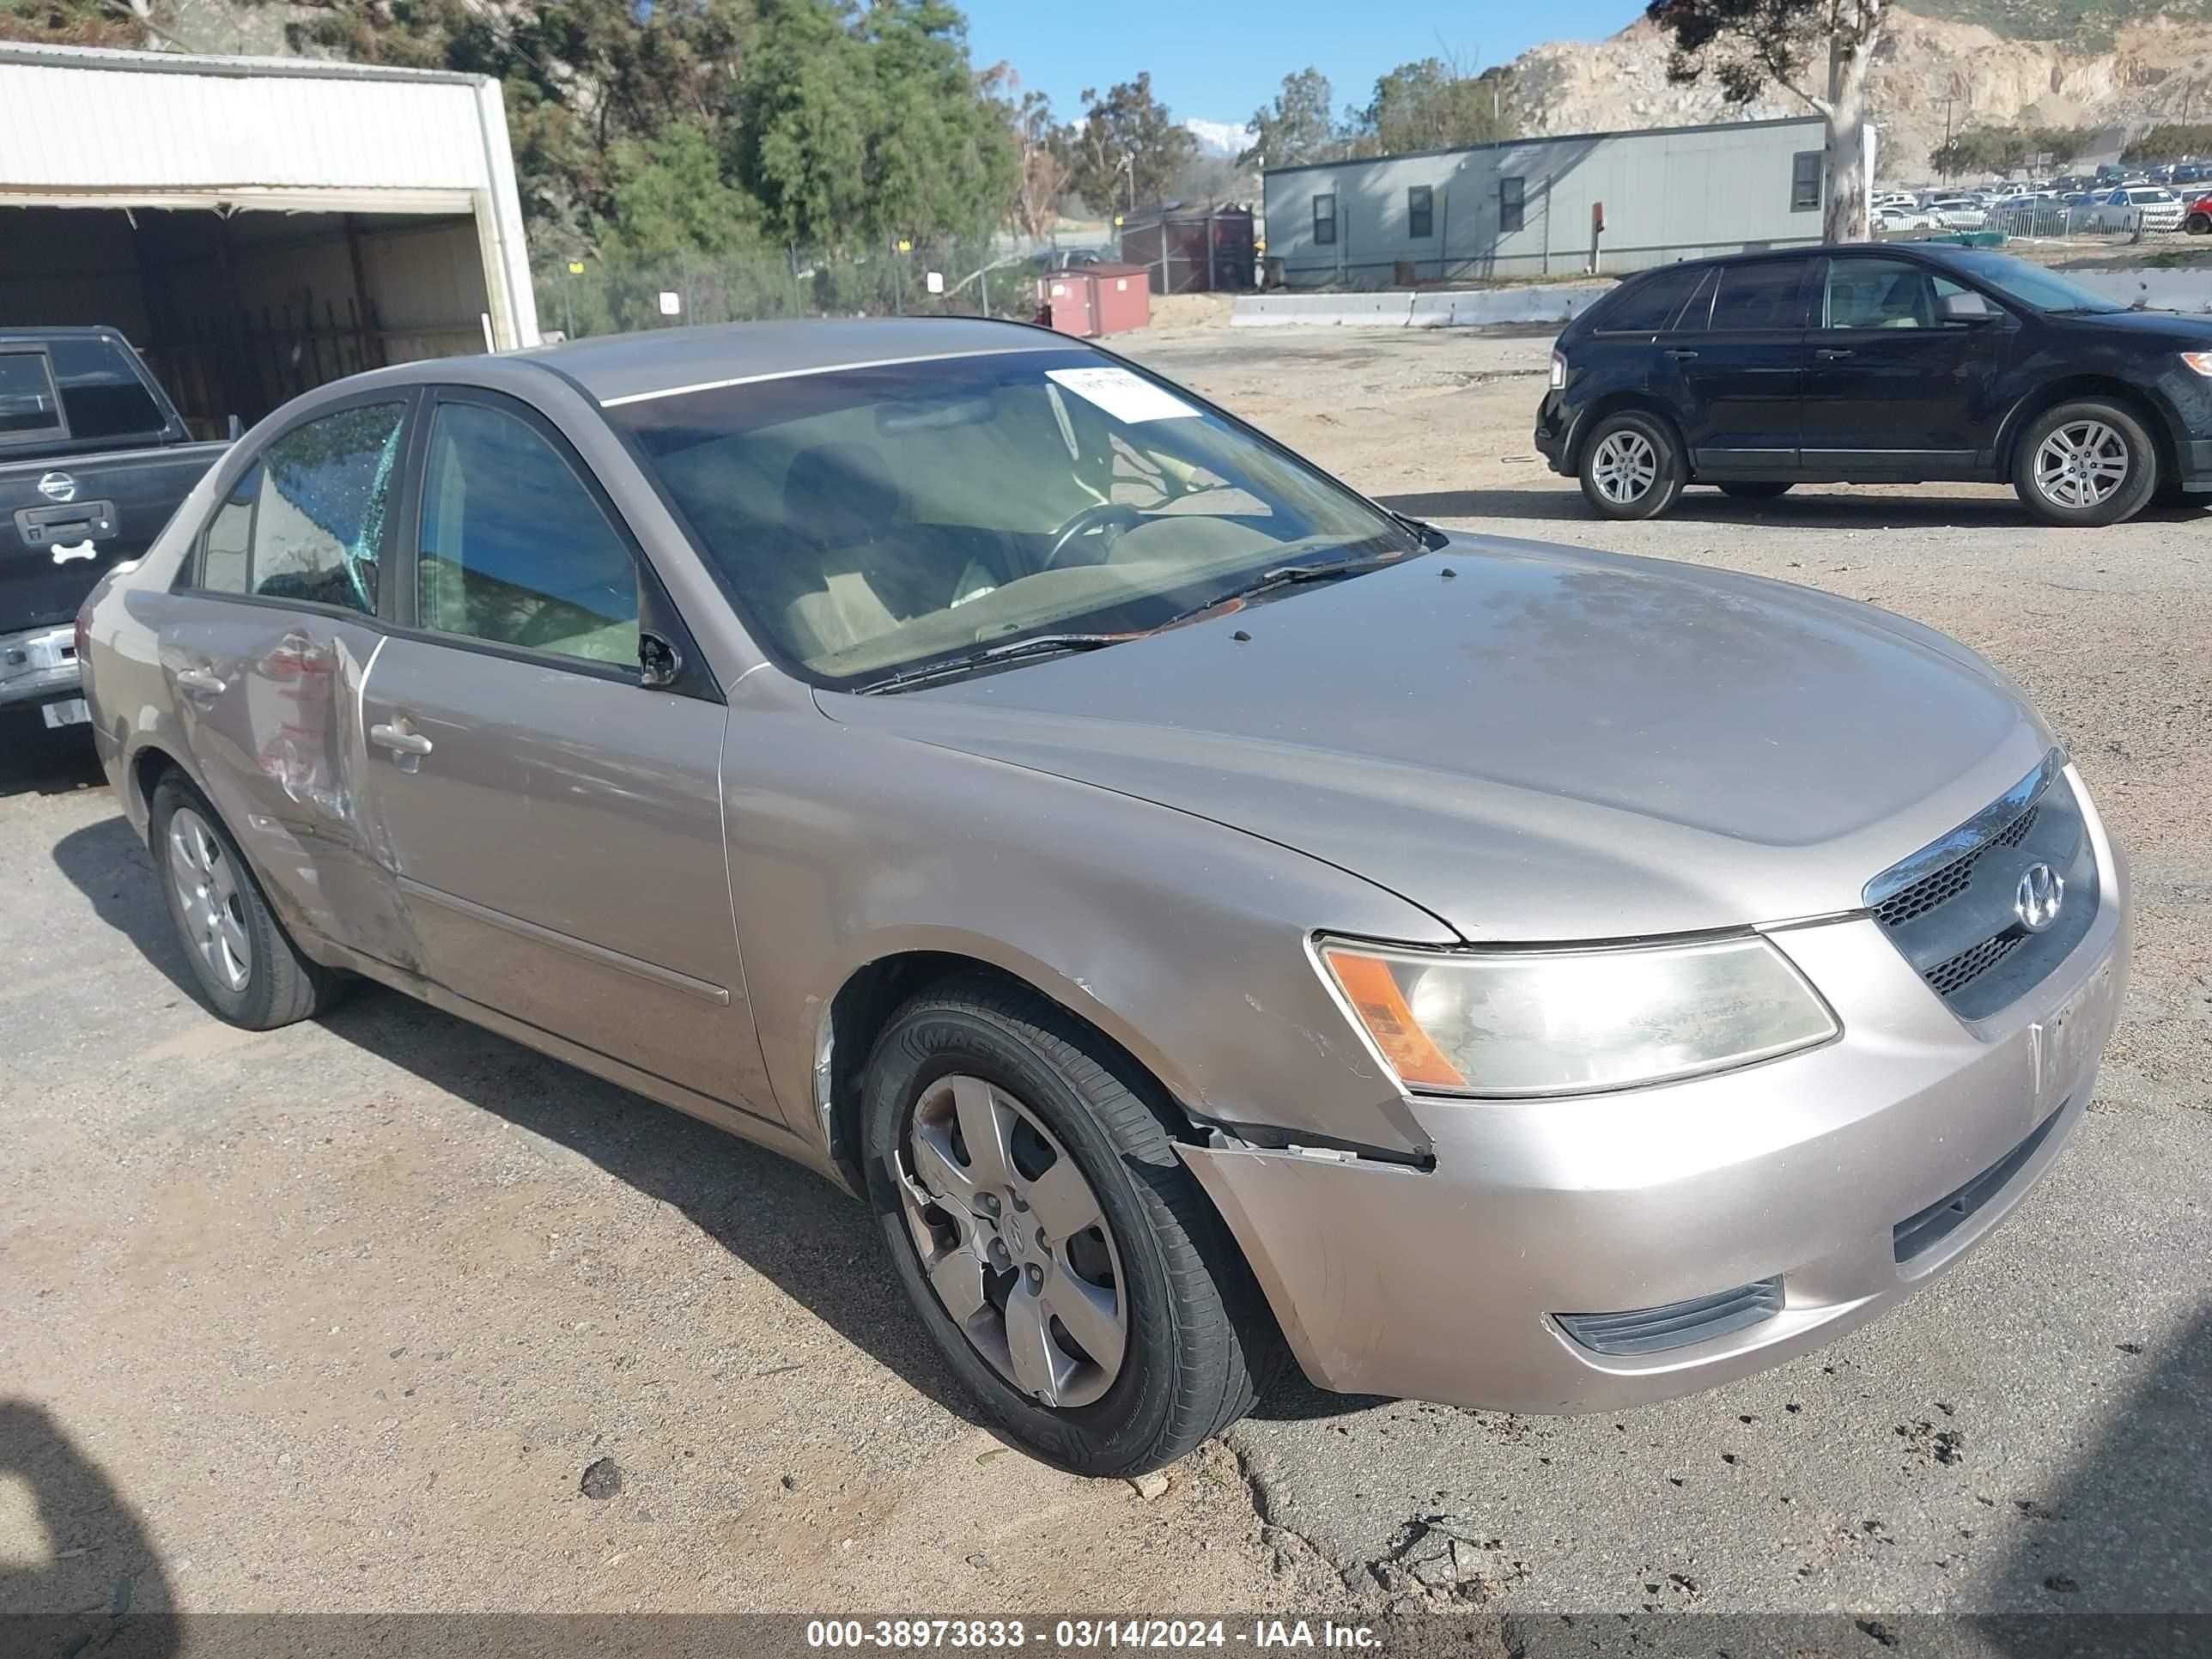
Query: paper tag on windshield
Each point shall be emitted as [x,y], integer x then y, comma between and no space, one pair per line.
[1121,394]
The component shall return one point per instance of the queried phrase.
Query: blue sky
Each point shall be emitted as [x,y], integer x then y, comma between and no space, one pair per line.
[1221,61]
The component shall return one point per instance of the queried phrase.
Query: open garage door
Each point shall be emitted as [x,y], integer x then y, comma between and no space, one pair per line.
[238,310]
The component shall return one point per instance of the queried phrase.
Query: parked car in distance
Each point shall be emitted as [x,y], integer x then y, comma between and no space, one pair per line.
[2196,219]
[93,459]
[1898,362]
[1959,212]
[1893,219]
[2154,208]
[1089,786]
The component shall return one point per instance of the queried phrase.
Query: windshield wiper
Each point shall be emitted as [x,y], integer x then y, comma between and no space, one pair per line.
[1037,645]
[1290,575]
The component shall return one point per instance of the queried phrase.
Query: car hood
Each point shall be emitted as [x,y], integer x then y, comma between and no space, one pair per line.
[1532,743]
[2183,331]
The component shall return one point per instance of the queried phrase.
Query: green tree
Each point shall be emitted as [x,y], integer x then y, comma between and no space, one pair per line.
[940,162]
[1751,44]
[670,197]
[2168,140]
[1430,103]
[1296,127]
[807,105]
[1127,148]
[851,131]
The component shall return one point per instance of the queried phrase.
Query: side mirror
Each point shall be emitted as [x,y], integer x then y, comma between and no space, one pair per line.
[659,662]
[1970,310]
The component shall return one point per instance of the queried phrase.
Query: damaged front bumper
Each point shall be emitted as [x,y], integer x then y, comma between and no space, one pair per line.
[1598,1252]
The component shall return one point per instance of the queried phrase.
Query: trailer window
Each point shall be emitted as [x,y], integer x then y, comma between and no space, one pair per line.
[28,408]
[1804,168]
[1325,218]
[1420,211]
[102,392]
[1511,203]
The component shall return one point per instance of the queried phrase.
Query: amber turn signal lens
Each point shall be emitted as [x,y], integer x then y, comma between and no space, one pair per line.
[1372,989]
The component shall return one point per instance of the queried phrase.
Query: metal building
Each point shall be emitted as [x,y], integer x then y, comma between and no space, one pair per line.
[1548,207]
[259,226]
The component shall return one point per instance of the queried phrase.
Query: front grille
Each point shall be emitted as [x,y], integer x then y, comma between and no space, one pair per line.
[1953,879]
[1675,1324]
[1922,1232]
[1950,907]
[1969,965]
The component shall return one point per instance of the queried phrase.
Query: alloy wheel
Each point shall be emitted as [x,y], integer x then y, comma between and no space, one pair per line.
[207,891]
[1625,466]
[1013,1242]
[2080,463]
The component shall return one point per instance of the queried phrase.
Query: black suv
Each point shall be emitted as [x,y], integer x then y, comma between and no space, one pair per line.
[1888,364]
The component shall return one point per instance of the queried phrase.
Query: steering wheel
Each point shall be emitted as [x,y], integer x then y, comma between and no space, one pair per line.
[1108,519]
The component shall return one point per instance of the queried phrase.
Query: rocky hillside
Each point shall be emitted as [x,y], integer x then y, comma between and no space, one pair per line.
[2158,69]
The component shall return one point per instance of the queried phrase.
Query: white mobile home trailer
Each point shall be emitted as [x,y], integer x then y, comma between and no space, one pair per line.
[1528,207]
[259,226]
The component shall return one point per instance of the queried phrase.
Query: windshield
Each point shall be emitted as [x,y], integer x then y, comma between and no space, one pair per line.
[870,519]
[2033,285]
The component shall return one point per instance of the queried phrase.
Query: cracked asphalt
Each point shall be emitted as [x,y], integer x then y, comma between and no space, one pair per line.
[341,1316]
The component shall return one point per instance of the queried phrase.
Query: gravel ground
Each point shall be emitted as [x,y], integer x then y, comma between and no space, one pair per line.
[344,1316]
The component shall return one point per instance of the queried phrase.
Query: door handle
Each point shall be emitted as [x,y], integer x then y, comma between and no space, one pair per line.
[398,738]
[1680,352]
[200,681]
[1832,352]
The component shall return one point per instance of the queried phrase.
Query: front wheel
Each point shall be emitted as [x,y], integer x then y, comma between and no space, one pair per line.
[2086,463]
[1067,1265]
[1632,467]
[2197,224]
[1756,489]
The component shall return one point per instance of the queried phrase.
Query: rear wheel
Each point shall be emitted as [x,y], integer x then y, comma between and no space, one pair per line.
[247,970]
[1632,467]
[2086,463]
[1755,489]
[1066,1264]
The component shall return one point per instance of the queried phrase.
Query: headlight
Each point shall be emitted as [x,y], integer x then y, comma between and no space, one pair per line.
[2199,361]
[1512,1022]
[1558,370]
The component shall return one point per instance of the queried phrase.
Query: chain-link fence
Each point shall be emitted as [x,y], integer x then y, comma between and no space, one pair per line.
[618,294]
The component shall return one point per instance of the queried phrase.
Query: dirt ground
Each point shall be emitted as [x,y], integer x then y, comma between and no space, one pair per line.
[340,1317]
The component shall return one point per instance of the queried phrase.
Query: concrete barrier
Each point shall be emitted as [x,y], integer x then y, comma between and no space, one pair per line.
[1550,303]
[2165,290]
[1319,310]
[1556,302]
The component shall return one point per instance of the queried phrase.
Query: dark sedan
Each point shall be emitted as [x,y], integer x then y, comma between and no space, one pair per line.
[1892,364]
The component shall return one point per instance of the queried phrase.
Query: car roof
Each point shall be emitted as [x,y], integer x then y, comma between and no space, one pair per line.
[620,367]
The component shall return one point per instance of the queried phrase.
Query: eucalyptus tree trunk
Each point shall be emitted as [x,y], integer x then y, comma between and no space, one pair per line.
[1855,28]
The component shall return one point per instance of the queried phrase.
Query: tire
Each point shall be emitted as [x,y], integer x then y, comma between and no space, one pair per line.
[1196,1341]
[2107,434]
[2197,224]
[1756,489]
[244,965]
[1626,449]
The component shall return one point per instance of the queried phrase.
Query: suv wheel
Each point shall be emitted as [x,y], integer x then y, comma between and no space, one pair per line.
[2086,463]
[1068,1266]
[248,972]
[1632,467]
[2197,224]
